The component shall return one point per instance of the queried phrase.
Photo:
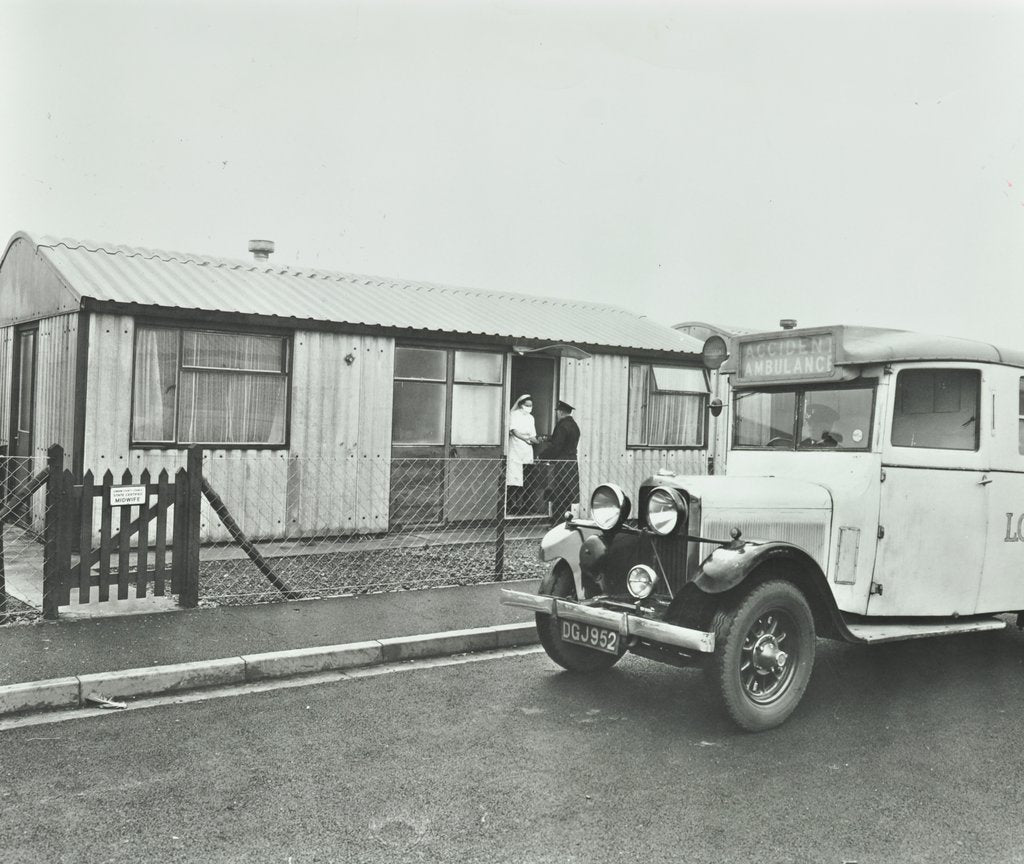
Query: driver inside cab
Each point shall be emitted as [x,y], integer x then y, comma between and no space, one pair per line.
[818,424]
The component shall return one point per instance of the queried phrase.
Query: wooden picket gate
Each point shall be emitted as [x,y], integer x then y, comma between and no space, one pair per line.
[164,556]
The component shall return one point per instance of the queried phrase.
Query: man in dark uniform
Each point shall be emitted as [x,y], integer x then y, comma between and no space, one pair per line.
[564,478]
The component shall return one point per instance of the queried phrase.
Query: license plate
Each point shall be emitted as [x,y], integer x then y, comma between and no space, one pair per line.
[598,638]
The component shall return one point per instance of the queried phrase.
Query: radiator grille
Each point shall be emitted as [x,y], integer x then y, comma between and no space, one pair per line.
[807,532]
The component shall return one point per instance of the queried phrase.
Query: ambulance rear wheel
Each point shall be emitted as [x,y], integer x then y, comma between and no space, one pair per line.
[575,658]
[764,653]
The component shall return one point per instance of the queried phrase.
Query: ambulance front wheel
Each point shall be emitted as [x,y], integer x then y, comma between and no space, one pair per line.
[764,653]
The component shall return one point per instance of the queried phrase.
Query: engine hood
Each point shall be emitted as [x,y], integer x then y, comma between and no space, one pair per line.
[762,509]
[750,493]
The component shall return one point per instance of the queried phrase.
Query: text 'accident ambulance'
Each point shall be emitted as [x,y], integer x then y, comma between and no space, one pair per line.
[874,492]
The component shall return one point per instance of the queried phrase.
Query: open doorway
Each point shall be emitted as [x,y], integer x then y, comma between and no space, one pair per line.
[22,438]
[537,376]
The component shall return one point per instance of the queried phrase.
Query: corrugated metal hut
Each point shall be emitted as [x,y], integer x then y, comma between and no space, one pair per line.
[126,356]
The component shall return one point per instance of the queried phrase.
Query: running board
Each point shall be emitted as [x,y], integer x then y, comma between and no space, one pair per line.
[896,631]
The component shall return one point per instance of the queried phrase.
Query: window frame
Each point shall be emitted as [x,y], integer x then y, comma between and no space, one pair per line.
[925,367]
[800,393]
[287,338]
[449,382]
[703,411]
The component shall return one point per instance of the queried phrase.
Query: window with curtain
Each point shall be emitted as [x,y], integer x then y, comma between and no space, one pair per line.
[205,387]
[667,406]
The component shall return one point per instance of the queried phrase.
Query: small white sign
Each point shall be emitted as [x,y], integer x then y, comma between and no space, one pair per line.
[126,496]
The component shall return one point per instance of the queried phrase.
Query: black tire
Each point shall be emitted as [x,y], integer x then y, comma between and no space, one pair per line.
[575,658]
[770,623]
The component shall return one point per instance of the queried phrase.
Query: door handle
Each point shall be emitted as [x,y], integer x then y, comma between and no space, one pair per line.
[985,480]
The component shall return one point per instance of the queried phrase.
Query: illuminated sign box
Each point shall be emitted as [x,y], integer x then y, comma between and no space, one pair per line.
[781,358]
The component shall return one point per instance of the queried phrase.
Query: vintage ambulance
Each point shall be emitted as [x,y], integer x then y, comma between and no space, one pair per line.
[874,492]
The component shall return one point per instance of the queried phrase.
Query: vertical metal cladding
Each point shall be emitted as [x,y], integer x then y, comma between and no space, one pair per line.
[55,383]
[603,380]
[341,433]
[54,414]
[333,478]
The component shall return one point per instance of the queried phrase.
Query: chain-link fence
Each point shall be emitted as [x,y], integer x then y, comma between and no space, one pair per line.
[22,517]
[329,527]
[273,526]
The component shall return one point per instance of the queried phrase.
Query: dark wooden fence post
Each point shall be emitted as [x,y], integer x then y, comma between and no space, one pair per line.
[499,521]
[189,595]
[51,531]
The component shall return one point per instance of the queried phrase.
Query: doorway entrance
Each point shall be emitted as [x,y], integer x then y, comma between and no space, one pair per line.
[446,435]
[23,398]
[537,376]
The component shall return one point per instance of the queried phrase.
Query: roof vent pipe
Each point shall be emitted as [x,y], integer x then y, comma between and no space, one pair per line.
[261,249]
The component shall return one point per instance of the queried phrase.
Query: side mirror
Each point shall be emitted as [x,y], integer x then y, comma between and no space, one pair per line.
[715,407]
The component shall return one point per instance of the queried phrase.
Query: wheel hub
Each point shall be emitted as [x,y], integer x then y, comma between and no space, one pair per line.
[767,655]
[765,667]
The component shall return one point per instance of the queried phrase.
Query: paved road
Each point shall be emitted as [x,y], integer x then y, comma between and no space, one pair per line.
[904,753]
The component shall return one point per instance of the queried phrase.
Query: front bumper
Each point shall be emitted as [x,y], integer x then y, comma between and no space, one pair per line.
[622,622]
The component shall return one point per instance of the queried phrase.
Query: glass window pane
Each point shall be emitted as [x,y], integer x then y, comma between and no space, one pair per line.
[679,380]
[426,364]
[476,414]
[233,351]
[837,419]
[418,413]
[156,374]
[635,432]
[764,419]
[230,408]
[936,408]
[476,367]
[675,420]
[26,396]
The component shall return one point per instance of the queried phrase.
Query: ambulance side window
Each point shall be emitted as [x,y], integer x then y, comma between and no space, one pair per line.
[937,409]
[1020,421]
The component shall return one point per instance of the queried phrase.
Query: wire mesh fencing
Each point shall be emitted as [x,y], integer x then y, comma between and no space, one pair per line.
[272,526]
[357,525]
[279,526]
[22,520]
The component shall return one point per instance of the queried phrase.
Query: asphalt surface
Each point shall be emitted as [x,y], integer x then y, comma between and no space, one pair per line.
[898,753]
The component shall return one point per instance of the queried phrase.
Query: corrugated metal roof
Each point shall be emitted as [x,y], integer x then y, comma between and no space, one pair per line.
[187,281]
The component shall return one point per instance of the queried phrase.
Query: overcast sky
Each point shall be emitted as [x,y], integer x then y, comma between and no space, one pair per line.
[833,162]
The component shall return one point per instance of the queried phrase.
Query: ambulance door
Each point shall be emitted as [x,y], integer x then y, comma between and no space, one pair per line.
[933,513]
[1002,583]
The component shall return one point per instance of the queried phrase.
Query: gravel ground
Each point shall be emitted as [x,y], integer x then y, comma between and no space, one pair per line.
[239,582]
[13,611]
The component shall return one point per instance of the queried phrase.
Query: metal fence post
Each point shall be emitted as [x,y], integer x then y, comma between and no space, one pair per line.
[189,596]
[499,521]
[51,531]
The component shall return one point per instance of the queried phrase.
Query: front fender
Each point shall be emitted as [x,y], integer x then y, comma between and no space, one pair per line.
[729,565]
[563,543]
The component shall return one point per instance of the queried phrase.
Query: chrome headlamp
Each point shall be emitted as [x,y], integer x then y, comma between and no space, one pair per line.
[640,581]
[609,506]
[666,510]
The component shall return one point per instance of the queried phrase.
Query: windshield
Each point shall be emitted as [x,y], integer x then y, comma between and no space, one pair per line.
[838,418]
